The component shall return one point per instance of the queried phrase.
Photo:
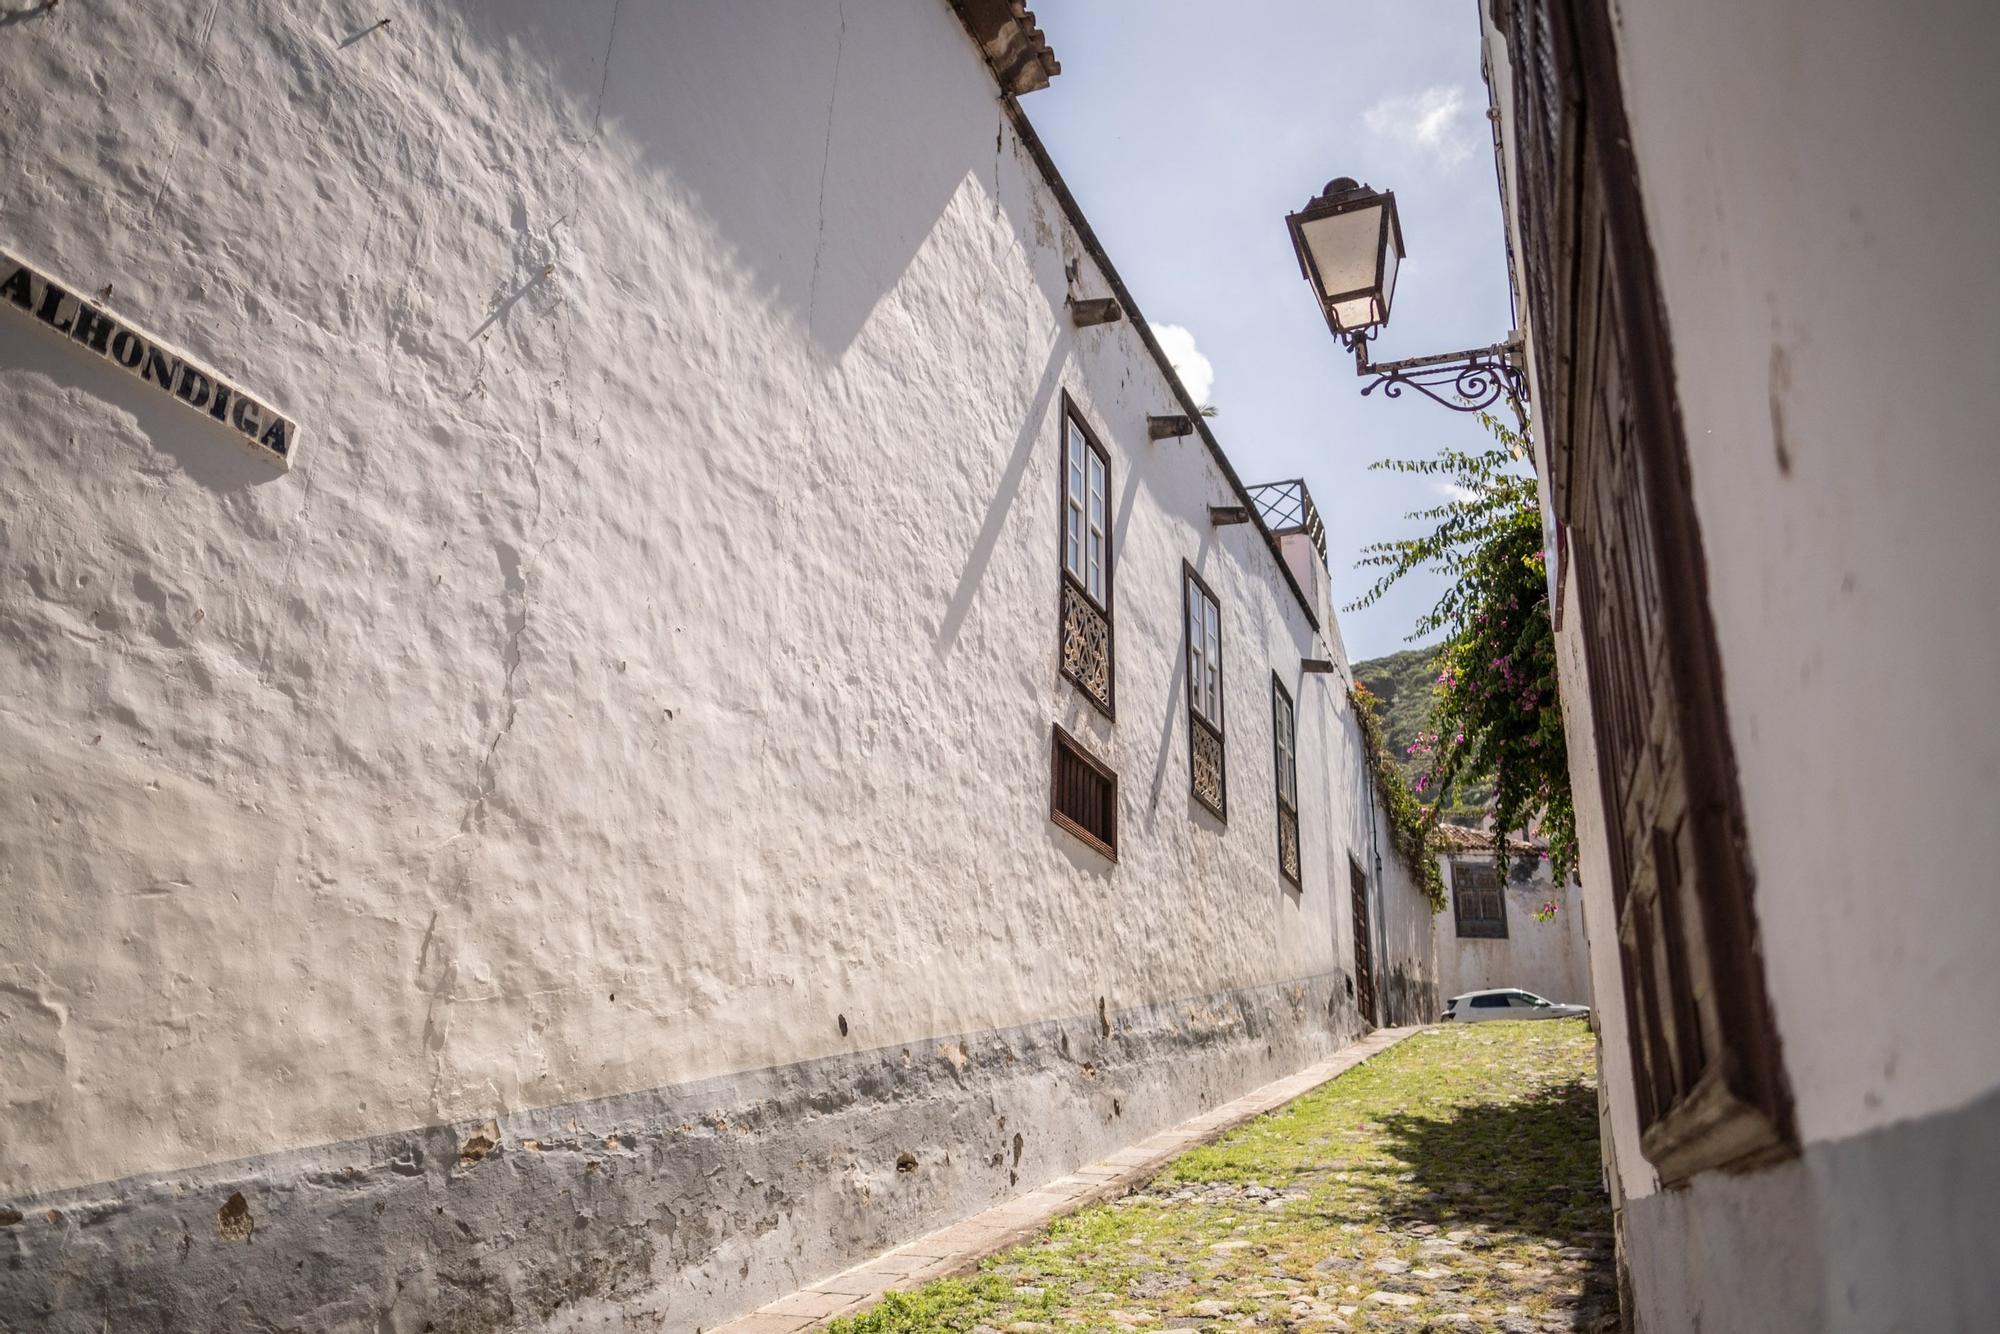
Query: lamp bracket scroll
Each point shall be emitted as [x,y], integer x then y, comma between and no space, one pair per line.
[1470,381]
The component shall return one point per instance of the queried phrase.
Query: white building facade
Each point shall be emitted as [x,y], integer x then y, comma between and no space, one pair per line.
[725,737]
[1756,274]
[1523,929]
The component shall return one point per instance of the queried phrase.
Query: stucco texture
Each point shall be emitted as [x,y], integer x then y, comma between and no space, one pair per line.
[1843,477]
[1551,959]
[644,674]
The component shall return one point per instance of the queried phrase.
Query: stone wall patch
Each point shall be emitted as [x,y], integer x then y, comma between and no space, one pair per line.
[34,295]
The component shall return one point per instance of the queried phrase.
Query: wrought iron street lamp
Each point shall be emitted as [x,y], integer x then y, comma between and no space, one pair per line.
[1350,244]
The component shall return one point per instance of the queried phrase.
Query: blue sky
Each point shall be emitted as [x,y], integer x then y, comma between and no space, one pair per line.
[1188,129]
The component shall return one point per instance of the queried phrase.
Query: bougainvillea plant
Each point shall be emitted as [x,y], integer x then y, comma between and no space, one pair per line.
[1496,715]
[1411,830]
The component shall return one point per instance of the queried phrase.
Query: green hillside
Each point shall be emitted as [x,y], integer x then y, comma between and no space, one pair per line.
[1402,681]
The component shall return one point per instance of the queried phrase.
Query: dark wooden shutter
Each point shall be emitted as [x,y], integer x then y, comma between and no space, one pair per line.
[1479,904]
[1364,966]
[1083,793]
[1710,1082]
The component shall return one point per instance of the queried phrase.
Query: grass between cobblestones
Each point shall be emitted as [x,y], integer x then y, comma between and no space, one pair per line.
[1451,1183]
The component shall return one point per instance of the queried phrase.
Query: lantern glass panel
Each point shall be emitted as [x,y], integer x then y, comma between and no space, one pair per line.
[1361,313]
[1346,250]
[1392,255]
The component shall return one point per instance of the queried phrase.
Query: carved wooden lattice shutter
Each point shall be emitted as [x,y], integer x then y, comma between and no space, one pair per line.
[1478,901]
[1709,1081]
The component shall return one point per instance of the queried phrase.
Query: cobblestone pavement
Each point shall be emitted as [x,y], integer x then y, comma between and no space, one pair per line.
[1451,1183]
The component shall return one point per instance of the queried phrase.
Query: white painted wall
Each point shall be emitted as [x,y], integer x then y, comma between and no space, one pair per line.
[1819,184]
[652,654]
[1551,959]
[1844,473]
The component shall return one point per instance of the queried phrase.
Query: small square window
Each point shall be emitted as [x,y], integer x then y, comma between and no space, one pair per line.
[1083,794]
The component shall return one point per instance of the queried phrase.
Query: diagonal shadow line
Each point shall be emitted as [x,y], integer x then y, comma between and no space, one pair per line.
[1122,516]
[499,312]
[981,554]
[376,26]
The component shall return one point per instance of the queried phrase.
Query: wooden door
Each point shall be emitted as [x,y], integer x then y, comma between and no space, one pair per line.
[1364,966]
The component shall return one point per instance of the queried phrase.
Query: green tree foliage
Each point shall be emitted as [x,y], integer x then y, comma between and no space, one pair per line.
[1401,683]
[1410,827]
[1496,717]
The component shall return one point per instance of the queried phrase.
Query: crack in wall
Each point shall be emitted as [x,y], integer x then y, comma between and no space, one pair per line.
[604,81]
[825,162]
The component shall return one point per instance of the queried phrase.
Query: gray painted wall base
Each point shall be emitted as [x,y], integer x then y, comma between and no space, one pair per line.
[1892,1230]
[670,1209]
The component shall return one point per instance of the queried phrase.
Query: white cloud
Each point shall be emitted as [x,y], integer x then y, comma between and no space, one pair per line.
[1440,121]
[1188,362]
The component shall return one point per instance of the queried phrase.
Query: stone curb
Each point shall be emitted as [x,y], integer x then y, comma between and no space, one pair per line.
[958,1249]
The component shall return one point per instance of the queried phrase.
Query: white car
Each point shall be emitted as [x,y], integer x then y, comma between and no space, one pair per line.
[1507,1004]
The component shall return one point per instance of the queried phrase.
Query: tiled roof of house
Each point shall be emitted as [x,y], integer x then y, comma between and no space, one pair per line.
[1456,839]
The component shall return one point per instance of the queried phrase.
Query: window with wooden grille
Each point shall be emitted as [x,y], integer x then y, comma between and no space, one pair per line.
[1708,1078]
[1083,793]
[1208,775]
[1086,561]
[1477,899]
[1285,745]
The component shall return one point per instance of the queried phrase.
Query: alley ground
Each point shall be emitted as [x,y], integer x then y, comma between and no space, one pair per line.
[1451,1183]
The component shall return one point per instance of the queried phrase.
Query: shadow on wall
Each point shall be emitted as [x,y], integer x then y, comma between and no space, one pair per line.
[209,452]
[786,122]
[1527,1169]
[1406,998]
[973,573]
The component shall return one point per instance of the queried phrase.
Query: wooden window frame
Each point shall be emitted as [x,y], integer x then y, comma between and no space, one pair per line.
[1069,582]
[1215,728]
[1708,1071]
[1498,890]
[1060,740]
[1285,760]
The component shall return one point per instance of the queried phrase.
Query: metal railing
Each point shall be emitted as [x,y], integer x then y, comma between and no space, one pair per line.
[1287,507]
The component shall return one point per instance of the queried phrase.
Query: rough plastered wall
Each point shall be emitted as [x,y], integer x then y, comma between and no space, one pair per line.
[1551,959]
[1801,164]
[1406,975]
[573,851]
[1845,478]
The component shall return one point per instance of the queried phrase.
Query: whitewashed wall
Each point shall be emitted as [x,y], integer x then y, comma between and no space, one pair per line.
[644,676]
[1549,958]
[1817,182]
